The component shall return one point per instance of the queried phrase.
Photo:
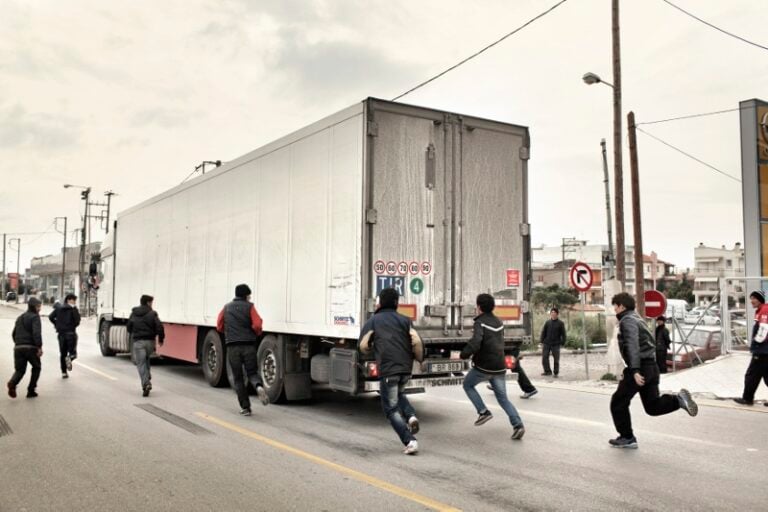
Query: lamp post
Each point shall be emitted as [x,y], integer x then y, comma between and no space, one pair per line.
[85,194]
[18,259]
[618,178]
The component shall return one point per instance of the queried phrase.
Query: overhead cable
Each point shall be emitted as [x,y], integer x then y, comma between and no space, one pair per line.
[715,27]
[702,162]
[464,61]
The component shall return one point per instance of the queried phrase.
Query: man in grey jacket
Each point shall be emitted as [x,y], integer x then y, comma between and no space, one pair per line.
[28,348]
[638,349]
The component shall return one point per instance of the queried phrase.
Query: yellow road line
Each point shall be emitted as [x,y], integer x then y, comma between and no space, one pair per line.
[357,475]
[94,370]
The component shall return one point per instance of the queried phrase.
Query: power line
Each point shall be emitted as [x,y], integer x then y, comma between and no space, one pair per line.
[41,234]
[702,162]
[714,26]
[704,114]
[518,29]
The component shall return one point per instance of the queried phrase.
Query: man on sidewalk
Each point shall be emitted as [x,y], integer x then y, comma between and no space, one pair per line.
[486,347]
[758,348]
[28,348]
[241,325]
[526,386]
[638,349]
[145,326]
[395,345]
[662,343]
[66,318]
[552,338]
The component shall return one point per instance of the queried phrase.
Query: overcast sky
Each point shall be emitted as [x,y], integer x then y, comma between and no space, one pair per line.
[131,95]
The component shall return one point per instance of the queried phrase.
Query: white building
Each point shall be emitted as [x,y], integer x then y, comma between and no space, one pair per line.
[712,263]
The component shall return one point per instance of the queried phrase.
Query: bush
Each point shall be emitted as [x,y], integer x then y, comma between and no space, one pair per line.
[609,376]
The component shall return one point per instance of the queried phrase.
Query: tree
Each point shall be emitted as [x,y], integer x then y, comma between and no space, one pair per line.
[682,290]
[553,295]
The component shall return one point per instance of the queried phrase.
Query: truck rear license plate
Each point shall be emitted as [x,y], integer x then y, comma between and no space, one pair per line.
[446,367]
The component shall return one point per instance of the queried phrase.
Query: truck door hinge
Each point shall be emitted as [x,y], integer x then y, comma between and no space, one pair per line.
[525,153]
[371,216]
[373,129]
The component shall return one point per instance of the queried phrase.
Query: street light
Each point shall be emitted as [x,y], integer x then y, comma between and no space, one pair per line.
[618,175]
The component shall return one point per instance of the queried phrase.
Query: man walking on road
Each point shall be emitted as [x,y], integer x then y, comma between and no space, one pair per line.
[758,364]
[28,348]
[662,343]
[638,349]
[552,338]
[395,345]
[486,347]
[66,318]
[145,326]
[242,327]
[526,386]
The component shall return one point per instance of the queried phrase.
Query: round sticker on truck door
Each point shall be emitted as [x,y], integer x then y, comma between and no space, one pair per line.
[413,268]
[379,267]
[391,268]
[402,268]
[426,268]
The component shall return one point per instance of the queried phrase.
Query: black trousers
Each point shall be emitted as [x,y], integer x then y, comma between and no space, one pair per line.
[22,356]
[546,349]
[653,403]
[522,379]
[67,347]
[757,370]
[661,360]
[243,357]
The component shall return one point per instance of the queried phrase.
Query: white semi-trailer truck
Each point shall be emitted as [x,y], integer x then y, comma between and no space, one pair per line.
[381,194]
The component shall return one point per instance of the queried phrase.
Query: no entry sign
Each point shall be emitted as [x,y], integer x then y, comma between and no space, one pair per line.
[655,303]
[581,276]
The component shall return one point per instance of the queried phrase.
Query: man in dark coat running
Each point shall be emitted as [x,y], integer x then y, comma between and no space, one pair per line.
[65,319]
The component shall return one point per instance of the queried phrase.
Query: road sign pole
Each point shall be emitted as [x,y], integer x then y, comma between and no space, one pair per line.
[584,331]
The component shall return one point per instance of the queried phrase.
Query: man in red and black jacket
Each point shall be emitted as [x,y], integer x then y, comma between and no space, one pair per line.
[242,327]
[758,364]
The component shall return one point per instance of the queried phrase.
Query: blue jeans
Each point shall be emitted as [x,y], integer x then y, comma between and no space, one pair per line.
[499,385]
[396,406]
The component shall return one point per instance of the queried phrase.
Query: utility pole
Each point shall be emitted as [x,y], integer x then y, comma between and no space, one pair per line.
[85,194]
[109,195]
[18,259]
[63,258]
[2,292]
[637,229]
[618,177]
[608,208]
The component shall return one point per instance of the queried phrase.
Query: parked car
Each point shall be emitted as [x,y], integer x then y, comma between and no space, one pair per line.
[10,296]
[709,316]
[704,340]
[676,308]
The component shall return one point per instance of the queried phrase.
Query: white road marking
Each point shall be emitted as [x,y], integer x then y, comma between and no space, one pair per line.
[94,370]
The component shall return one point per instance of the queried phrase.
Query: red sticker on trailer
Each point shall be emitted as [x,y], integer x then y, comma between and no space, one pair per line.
[513,278]
[507,312]
[407,310]
[426,268]
[391,268]
[413,268]
[379,267]
[402,268]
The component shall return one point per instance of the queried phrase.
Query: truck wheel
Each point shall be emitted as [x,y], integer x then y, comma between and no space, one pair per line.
[271,369]
[213,360]
[104,340]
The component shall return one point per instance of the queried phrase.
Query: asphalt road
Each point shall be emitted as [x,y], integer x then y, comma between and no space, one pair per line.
[83,444]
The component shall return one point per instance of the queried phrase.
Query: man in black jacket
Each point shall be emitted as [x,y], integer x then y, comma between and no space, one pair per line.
[638,349]
[28,348]
[662,343]
[242,327]
[66,318]
[552,338]
[145,326]
[395,345]
[486,347]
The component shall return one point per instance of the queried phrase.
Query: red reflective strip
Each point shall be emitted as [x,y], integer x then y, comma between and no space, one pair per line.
[408,310]
[507,312]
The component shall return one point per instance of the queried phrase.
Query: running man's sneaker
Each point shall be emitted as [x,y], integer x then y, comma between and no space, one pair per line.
[518,433]
[245,412]
[31,393]
[529,394]
[72,357]
[413,424]
[744,402]
[262,394]
[68,362]
[484,417]
[687,403]
[146,390]
[64,375]
[623,442]
[11,390]
[411,448]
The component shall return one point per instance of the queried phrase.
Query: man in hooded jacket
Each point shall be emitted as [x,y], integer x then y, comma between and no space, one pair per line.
[65,318]
[28,348]
[145,327]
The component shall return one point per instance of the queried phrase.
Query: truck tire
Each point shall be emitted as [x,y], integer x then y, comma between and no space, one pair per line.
[104,339]
[271,368]
[213,360]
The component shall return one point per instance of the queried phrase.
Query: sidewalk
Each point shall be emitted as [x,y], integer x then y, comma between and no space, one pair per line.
[720,378]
